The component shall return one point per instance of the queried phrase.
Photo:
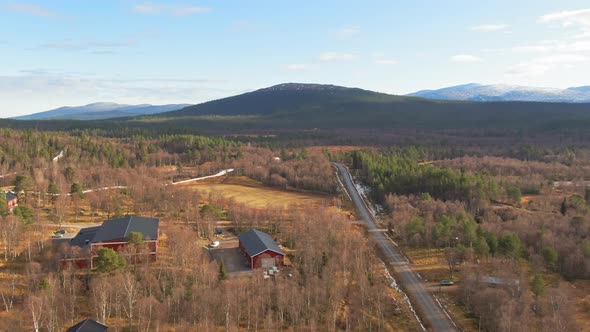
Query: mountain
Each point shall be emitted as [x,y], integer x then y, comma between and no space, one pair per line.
[288,97]
[503,92]
[97,111]
[295,106]
[318,110]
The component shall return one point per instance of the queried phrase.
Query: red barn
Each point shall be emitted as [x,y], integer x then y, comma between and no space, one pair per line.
[11,200]
[113,234]
[260,249]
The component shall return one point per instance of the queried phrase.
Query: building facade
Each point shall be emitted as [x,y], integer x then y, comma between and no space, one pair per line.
[260,250]
[114,234]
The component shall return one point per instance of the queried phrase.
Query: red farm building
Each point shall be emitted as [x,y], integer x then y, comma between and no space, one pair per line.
[113,234]
[260,249]
[11,200]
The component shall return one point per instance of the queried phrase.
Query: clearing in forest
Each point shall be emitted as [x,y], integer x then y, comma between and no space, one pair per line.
[255,194]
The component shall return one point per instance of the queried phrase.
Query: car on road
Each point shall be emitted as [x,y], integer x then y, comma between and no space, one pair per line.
[59,234]
[446,283]
[214,244]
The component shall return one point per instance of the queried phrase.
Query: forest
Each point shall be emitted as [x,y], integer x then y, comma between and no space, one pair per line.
[336,282]
[492,216]
[514,213]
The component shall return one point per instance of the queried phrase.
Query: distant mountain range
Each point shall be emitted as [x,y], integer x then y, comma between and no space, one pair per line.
[503,92]
[294,107]
[98,111]
[296,97]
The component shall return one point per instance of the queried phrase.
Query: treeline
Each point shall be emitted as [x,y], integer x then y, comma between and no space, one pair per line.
[295,169]
[399,172]
[30,153]
[433,207]
[423,222]
[20,150]
[497,246]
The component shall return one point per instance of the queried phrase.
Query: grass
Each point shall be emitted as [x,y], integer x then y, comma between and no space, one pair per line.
[425,256]
[255,194]
[430,263]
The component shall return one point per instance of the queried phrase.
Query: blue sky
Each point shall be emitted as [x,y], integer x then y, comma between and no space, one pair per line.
[56,53]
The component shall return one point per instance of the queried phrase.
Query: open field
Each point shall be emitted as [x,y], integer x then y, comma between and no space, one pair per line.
[254,194]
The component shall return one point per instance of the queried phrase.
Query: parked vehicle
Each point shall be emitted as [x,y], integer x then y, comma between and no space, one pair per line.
[60,233]
[214,244]
[446,283]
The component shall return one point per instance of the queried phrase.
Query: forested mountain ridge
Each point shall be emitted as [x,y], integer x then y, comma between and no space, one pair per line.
[284,98]
[297,107]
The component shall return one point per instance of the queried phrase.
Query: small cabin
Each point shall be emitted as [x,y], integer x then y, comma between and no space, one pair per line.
[11,200]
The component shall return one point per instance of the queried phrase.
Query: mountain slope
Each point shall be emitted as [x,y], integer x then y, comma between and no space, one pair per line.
[287,97]
[502,92]
[97,111]
[311,106]
[318,109]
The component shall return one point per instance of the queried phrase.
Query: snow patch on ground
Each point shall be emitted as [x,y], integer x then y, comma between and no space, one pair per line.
[104,188]
[221,173]
[393,284]
[59,156]
[444,310]
[374,209]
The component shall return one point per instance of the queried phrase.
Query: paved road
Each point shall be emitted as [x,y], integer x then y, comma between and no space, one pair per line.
[430,312]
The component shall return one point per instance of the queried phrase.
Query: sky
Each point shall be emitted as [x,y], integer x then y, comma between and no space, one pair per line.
[68,53]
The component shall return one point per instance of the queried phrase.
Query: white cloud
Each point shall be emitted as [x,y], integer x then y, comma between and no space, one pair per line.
[465,58]
[386,62]
[490,27]
[568,17]
[579,43]
[31,9]
[562,59]
[97,46]
[334,56]
[147,8]
[348,32]
[159,8]
[562,46]
[541,65]
[40,90]
[301,67]
[557,55]
[182,11]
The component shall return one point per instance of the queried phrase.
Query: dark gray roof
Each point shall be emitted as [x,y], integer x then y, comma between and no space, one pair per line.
[10,196]
[120,228]
[256,242]
[88,325]
[85,234]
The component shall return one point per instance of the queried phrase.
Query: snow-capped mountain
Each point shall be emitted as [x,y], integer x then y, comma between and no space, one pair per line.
[503,92]
[98,111]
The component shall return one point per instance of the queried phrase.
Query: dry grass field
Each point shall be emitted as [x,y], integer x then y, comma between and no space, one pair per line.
[256,195]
